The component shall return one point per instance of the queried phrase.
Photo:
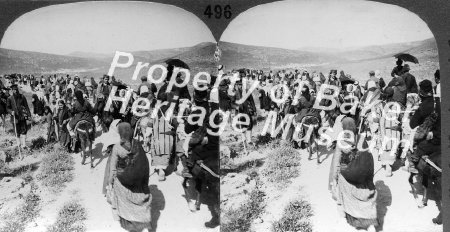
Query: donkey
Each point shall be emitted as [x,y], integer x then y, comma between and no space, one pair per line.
[85,133]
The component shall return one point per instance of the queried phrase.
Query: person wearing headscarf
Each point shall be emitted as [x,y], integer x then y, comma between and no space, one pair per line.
[351,181]
[399,86]
[128,182]
[38,105]
[224,98]
[81,110]
[3,110]
[412,96]
[62,118]
[51,133]
[348,124]
[181,92]
[17,106]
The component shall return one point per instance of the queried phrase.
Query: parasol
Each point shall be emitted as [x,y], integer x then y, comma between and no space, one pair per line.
[177,63]
[407,57]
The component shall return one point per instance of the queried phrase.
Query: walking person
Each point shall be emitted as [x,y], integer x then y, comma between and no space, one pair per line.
[128,183]
[412,92]
[352,182]
[390,131]
[247,110]
[18,108]
[3,111]
[62,117]
[51,134]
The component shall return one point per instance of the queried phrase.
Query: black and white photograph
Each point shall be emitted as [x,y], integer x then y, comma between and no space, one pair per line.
[101,126]
[334,119]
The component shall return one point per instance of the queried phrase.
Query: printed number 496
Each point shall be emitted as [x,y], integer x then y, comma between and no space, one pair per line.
[219,12]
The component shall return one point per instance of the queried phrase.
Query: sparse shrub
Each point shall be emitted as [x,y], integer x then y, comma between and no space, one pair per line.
[296,217]
[282,165]
[263,139]
[56,169]
[70,218]
[24,214]
[260,118]
[240,219]
[37,143]
[27,176]
[11,151]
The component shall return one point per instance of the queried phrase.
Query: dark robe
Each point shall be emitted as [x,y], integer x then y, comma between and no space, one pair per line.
[38,105]
[81,112]
[62,119]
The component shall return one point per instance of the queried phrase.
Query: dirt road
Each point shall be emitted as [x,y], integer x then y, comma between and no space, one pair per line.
[170,211]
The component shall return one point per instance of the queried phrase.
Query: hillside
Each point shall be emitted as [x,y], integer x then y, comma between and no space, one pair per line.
[357,61]
[199,58]
[13,61]
[238,56]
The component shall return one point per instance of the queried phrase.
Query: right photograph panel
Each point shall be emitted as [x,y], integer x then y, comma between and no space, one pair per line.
[333,119]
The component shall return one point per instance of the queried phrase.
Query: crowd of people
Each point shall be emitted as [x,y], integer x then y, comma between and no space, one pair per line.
[64,100]
[146,144]
[381,123]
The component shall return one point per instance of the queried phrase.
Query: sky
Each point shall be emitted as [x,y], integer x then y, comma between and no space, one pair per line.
[105,27]
[296,24]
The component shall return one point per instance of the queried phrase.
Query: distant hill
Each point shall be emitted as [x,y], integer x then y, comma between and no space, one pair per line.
[13,61]
[358,61]
[383,60]
[199,57]
[239,56]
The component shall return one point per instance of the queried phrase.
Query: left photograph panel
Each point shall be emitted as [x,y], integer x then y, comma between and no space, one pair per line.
[108,119]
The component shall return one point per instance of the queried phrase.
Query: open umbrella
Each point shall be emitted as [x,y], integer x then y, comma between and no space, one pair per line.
[177,63]
[407,57]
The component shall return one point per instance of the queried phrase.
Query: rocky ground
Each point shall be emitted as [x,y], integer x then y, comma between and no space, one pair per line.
[170,211]
[397,209]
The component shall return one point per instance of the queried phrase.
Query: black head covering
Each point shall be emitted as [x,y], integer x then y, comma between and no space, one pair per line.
[126,133]
[389,92]
[79,97]
[437,74]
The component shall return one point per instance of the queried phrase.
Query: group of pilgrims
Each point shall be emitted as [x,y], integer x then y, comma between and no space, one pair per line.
[377,123]
[64,100]
[138,143]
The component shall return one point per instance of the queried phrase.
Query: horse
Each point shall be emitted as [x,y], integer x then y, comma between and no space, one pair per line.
[429,169]
[85,134]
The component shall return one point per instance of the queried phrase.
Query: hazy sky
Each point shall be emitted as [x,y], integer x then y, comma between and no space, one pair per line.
[332,24]
[104,27]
